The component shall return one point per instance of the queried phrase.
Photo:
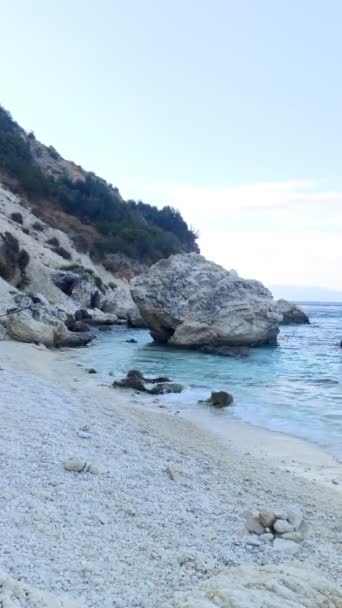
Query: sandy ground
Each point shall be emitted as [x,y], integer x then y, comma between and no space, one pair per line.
[131,536]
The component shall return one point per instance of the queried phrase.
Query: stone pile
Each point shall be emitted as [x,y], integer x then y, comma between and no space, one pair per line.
[283,529]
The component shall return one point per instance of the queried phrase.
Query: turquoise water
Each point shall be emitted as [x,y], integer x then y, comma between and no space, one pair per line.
[295,387]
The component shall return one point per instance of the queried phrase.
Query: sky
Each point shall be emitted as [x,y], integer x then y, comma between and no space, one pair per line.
[230,111]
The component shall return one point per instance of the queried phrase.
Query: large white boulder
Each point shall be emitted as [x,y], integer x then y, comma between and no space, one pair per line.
[186,300]
[23,327]
[268,586]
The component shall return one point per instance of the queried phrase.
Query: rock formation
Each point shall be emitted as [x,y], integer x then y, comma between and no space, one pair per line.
[292,314]
[270,586]
[191,302]
[120,303]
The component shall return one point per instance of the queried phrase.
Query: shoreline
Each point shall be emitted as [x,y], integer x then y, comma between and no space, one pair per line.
[312,461]
[132,535]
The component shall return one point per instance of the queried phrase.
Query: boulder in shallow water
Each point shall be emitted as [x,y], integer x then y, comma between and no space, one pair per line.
[220,399]
[188,301]
[136,380]
[292,314]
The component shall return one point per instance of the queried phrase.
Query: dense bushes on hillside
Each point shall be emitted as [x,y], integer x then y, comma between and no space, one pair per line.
[136,229]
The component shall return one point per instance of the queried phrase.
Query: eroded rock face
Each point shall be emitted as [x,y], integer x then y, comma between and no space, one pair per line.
[257,586]
[24,328]
[292,314]
[191,302]
[120,303]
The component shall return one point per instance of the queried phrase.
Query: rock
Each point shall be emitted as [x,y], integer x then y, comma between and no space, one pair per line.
[84,435]
[267,537]
[267,518]
[253,524]
[296,517]
[297,537]
[85,428]
[285,546]
[24,328]
[133,380]
[105,328]
[66,339]
[78,465]
[82,315]
[270,586]
[16,593]
[292,314]
[254,541]
[136,380]
[77,326]
[188,301]
[132,341]
[121,303]
[220,399]
[163,388]
[92,371]
[97,317]
[282,525]
[226,351]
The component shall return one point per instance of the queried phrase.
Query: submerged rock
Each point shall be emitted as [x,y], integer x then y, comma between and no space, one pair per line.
[136,380]
[292,314]
[188,301]
[226,351]
[220,399]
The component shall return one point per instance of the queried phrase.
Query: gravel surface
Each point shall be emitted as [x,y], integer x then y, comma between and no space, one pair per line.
[164,511]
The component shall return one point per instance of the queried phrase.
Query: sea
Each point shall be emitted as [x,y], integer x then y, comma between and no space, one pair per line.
[294,387]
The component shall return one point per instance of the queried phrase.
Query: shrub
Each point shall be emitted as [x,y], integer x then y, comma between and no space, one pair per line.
[72,267]
[38,226]
[24,282]
[54,242]
[112,285]
[26,230]
[62,252]
[17,217]
[23,259]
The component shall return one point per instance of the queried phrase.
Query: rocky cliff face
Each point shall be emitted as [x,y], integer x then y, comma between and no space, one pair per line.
[42,273]
[188,301]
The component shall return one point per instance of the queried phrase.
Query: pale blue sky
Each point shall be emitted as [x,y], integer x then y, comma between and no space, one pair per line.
[231,110]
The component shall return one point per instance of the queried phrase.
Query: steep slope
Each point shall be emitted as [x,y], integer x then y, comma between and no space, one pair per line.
[85,206]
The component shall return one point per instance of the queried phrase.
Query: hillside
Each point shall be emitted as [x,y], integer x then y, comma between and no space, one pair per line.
[91,211]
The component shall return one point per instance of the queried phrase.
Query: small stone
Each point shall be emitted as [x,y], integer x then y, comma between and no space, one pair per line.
[282,525]
[253,525]
[78,465]
[85,428]
[295,516]
[267,537]
[171,473]
[92,371]
[84,435]
[285,546]
[267,518]
[254,541]
[297,537]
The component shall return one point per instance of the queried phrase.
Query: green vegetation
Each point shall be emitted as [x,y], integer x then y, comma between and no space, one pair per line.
[54,242]
[135,229]
[62,252]
[38,226]
[112,285]
[17,217]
